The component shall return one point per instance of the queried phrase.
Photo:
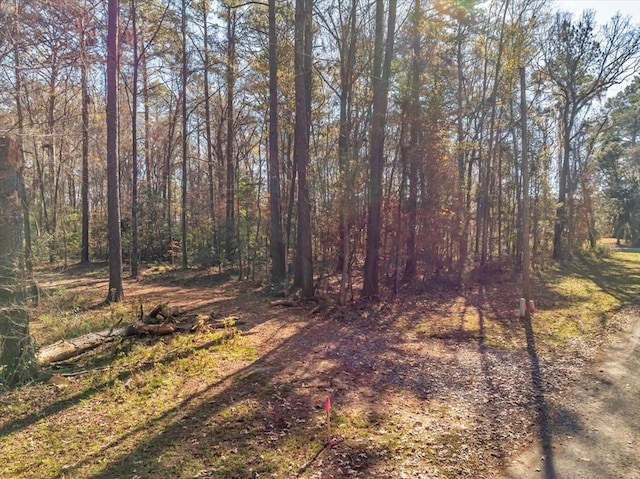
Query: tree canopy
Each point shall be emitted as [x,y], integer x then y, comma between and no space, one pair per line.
[287,141]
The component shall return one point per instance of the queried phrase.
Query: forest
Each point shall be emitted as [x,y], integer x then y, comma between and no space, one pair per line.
[381,141]
[274,205]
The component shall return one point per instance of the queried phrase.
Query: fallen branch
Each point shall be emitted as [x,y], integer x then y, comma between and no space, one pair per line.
[223,323]
[161,314]
[161,321]
[68,348]
[157,329]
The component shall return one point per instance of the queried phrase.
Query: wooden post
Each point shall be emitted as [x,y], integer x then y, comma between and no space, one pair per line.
[17,361]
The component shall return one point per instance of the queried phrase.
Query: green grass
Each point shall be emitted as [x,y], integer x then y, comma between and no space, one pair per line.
[167,409]
[105,414]
[576,304]
[578,301]
[63,323]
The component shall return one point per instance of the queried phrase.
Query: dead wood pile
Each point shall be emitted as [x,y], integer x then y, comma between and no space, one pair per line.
[161,320]
[68,348]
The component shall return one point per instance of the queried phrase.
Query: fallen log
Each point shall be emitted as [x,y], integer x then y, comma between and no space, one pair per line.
[161,314]
[321,303]
[156,329]
[161,321]
[68,348]
[223,323]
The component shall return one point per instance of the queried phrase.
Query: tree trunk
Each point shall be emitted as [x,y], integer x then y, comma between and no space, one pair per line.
[20,147]
[185,157]
[68,348]
[414,126]
[526,281]
[380,78]
[134,144]
[84,249]
[291,198]
[17,364]
[563,179]
[345,148]
[462,220]
[490,160]
[303,66]
[207,120]
[152,181]
[167,180]
[276,244]
[115,292]
[230,234]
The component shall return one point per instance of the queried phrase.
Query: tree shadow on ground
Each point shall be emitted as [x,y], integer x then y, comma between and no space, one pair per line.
[99,360]
[616,277]
[542,408]
[238,423]
[355,361]
[233,427]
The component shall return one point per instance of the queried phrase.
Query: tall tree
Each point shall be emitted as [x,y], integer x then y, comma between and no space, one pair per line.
[581,65]
[84,248]
[134,142]
[206,60]
[380,75]
[184,136]
[487,165]
[230,159]
[526,280]
[17,54]
[463,159]
[17,363]
[276,244]
[414,128]
[341,23]
[115,292]
[303,277]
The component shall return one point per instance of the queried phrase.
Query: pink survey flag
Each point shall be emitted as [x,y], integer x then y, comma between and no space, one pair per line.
[327,405]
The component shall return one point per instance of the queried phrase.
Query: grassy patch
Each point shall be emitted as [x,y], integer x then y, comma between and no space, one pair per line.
[103,419]
[576,303]
[71,319]
[578,300]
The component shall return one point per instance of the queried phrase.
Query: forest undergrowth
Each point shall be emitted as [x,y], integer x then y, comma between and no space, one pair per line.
[430,384]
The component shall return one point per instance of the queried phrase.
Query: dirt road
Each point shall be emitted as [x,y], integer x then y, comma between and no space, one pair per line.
[598,435]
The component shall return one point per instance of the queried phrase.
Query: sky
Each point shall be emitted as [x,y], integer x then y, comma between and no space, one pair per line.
[605,9]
